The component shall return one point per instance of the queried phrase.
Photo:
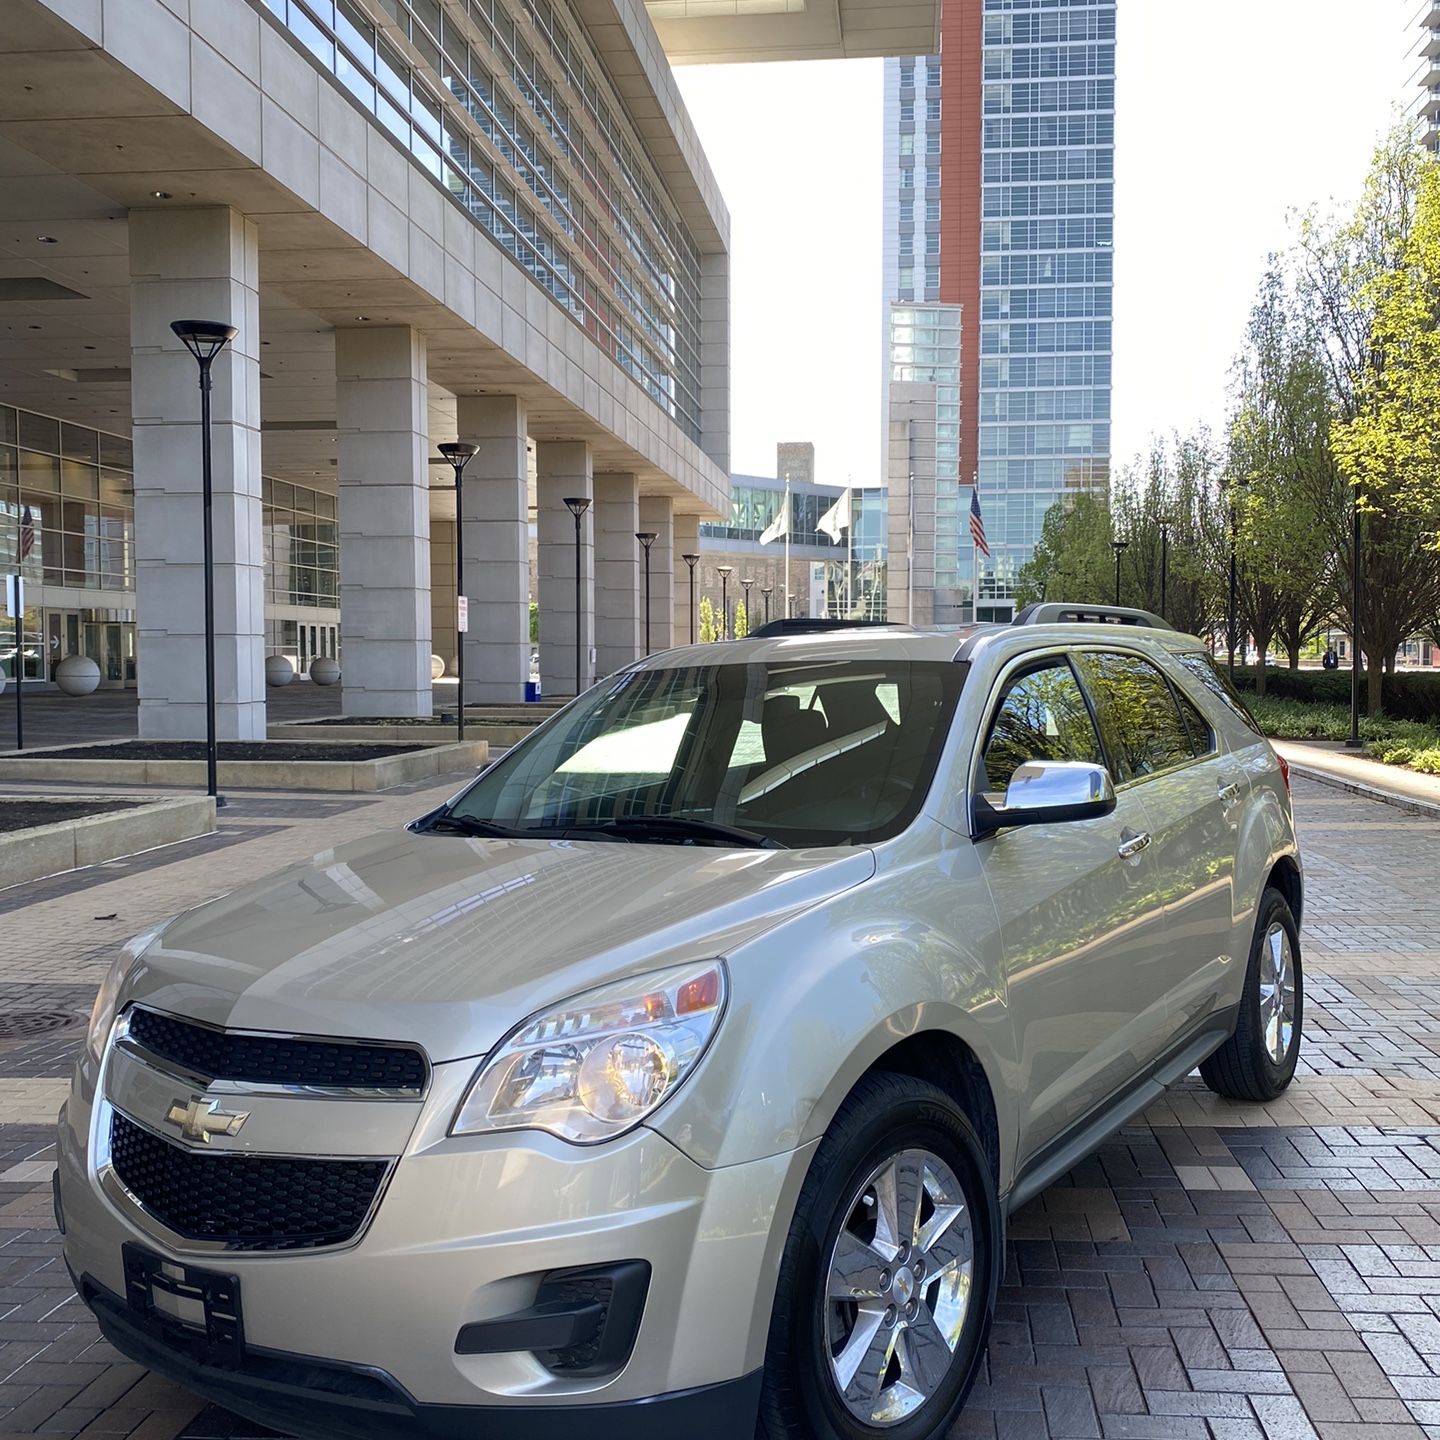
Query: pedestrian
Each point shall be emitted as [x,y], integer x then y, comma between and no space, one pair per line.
[1331,660]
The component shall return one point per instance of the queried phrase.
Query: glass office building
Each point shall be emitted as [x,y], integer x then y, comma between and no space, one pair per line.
[1047,266]
[70,490]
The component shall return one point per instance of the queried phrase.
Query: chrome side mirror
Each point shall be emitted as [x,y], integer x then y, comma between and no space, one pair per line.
[1048,792]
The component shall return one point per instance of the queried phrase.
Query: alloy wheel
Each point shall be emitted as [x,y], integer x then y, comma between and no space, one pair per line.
[898,1287]
[1277,992]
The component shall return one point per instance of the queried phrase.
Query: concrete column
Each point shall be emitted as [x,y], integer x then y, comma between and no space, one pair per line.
[687,542]
[497,548]
[442,591]
[196,264]
[617,573]
[657,515]
[715,358]
[384,483]
[563,468]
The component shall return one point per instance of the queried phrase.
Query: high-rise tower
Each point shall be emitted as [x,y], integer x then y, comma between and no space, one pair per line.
[999,198]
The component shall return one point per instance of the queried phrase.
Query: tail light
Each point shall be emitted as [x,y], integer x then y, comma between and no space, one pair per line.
[1284,770]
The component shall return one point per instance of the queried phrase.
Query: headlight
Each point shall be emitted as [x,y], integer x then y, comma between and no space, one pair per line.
[102,1017]
[595,1066]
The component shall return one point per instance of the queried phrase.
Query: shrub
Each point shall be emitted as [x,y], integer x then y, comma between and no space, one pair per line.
[1414,695]
[1286,719]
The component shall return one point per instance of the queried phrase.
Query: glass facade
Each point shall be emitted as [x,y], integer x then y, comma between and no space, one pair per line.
[1047,266]
[754,505]
[78,486]
[505,104]
[925,346]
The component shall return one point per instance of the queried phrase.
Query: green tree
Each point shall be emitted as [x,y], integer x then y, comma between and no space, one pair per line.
[1073,561]
[1361,278]
[741,621]
[709,622]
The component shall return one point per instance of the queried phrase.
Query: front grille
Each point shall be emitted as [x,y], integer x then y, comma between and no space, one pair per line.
[249,1202]
[278,1060]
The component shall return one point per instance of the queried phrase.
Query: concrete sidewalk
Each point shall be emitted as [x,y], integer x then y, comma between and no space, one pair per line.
[1330,763]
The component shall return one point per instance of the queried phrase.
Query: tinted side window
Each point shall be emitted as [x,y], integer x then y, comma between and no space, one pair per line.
[1202,737]
[1142,722]
[1042,716]
[1215,680]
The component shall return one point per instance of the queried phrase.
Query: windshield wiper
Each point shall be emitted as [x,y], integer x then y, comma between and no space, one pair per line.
[465,825]
[679,829]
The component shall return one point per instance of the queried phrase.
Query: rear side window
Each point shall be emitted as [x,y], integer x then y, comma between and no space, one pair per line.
[1217,682]
[1143,727]
[1042,716]
[1202,737]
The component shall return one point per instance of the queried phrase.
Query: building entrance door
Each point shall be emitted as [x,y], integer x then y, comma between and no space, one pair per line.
[64,635]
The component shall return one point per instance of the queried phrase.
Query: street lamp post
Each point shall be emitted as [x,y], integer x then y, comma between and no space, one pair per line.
[692,561]
[767,592]
[577,506]
[726,571]
[647,538]
[745,585]
[1119,547]
[1164,569]
[1357,576]
[1232,616]
[205,339]
[458,455]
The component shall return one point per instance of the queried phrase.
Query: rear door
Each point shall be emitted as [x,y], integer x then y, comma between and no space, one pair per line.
[1081,923]
[1163,750]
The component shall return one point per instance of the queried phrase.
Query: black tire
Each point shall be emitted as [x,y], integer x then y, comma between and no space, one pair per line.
[885,1115]
[1243,1067]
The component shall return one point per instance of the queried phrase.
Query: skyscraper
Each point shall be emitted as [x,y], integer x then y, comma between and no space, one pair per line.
[999,198]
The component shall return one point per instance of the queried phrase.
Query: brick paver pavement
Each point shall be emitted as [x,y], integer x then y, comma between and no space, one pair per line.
[1220,1272]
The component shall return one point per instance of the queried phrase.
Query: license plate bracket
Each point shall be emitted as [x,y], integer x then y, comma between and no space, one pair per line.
[191,1309]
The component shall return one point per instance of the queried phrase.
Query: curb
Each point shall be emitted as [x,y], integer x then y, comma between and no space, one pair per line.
[1410,803]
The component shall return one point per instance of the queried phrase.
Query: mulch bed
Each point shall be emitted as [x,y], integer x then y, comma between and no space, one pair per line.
[25,814]
[266,750]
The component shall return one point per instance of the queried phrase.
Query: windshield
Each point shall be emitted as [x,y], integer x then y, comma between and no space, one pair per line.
[837,753]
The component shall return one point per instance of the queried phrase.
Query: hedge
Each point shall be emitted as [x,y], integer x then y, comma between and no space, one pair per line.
[1408,696]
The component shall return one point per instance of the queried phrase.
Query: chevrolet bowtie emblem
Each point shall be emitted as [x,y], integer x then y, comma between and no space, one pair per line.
[201,1119]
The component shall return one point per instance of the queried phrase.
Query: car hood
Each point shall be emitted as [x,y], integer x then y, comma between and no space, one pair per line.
[449,942]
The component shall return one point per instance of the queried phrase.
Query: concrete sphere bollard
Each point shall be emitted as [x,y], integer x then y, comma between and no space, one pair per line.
[278,670]
[77,675]
[437,667]
[325,671]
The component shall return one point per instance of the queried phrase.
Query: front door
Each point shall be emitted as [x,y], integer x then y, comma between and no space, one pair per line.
[1082,920]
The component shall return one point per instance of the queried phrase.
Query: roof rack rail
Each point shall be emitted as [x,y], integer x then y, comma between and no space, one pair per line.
[1056,614]
[813,626]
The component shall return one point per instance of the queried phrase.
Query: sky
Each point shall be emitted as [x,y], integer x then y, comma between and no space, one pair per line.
[1230,116]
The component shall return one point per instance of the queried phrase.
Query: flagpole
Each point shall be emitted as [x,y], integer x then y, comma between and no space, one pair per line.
[787,544]
[849,554]
[19,659]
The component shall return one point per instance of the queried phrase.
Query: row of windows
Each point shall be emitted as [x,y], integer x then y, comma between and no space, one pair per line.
[907,246]
[930,277]
[1048,478]
[1050,29]
[1008,168]
[1002,200]
[1036,131]
[1077,302]
[1031,405]
[1004,6]
[1045,337]
[1045,372]
[1078,439]
[931,211]
[1035,97]
[1078,234]
[932,110]
[929,178]
[754,509]
[1047,269]
[1048,62]
[932,143]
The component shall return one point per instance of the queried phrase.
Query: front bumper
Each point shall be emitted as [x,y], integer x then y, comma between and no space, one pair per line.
[361,1341]
[293,1392]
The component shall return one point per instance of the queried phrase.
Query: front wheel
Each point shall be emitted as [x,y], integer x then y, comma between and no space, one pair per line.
[1258,1061]
[888,1279]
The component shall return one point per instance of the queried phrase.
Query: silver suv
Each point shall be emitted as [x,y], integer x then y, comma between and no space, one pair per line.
[677,1077]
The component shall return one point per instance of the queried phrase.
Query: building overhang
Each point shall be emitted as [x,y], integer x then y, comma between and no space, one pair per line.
[706,32]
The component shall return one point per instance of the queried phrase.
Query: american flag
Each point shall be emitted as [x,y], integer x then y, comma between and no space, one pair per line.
[27,534]
[977,524]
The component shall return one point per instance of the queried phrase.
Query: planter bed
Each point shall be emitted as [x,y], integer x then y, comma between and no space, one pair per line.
[501,732]
[46,837]
[310,764]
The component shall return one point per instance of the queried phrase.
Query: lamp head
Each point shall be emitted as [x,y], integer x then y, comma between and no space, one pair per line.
[204,339]
[726,570]
[691,560]
[647,537]
[577,505]
[1119,546]
[768,591]
[458,453]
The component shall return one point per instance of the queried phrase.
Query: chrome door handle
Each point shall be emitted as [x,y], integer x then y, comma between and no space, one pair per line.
[1229,794]
[1130,848]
